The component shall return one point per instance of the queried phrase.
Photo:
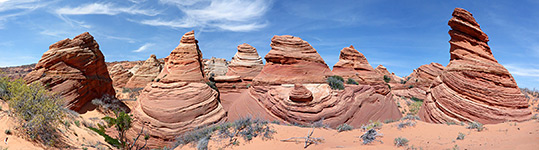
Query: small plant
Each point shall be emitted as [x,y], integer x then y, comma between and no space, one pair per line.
[400,141]
[372,125]
[7,131]
[370,136]
[351,81]
[336,82]
[411,86]
[387,78]
[77,123]
[475,125]
[212,85]
[414,107]
[461,136]
[157,80]
[319,124]
[405,124]
[389,121]
[344,127]
[415,99]
[403,82]
[276,122]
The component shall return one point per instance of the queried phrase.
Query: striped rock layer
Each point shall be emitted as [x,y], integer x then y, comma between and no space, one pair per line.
[353,64]
[473,86]
[145,73]
[246,63]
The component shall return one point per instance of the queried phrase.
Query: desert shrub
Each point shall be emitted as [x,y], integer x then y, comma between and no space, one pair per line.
[475,125]
[411,86]
[39,110]
[109,103]
[369,136]
[131,90]
[405,124]
[351,81]
[276,122]
[389,121]
[403,82]
[410,117]
[387,78]
[212,85]
[344,127]
[203,143]
[400,141]
[372,125]
[77,123]
[7,132]
[461,136]
[415,99]
[336,82]
[319,124]
[414,107]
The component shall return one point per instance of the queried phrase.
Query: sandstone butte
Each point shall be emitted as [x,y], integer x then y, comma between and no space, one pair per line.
[145,73]
[215,67]
[178,100]
[353,64]
[382,71]
[246,63]
[473,86]
[419,81]
[303,96]
[292,60]
[75,69]
[119,75]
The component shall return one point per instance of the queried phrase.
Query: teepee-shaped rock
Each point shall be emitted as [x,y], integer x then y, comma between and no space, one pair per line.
[473,86]
[246,63]
[75,69]
[145,73]
[178,100]
[292,60]
[120,76]
[353,64]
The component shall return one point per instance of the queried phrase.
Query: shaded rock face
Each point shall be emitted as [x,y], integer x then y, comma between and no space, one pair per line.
[119,75]
[180,100]
[145,73]
[75,69]
[355,105]
[353,64]
[419,81]
[246,63]
[292,60]
[473,86]
[215,67]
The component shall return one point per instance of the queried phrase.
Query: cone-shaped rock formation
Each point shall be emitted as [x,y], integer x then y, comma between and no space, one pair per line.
[353,64]
[246,63]
[145,73]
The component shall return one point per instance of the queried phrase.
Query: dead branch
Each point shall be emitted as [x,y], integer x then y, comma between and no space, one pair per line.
[308,139]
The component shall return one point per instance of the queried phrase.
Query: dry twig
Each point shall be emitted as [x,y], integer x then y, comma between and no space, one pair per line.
[308,139]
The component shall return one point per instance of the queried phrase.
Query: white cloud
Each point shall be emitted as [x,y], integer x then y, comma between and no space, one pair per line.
[521,70]
[12,8]
[104,9]
[144,47]
[231,15]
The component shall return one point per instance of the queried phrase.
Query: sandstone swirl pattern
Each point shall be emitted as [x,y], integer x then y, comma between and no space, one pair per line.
[74,68]
[178,100]
[473,86]
[145,73]
[246,63]
[419,81]
[292,60]
[353,64]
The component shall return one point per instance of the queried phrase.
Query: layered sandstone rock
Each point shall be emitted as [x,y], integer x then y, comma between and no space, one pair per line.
[473,86]
[353,64]
[119,75]
[418,82]
[355,105]
[292,60]
[246,63]
[215,67]
[75,69]
[178,100]
[145,73]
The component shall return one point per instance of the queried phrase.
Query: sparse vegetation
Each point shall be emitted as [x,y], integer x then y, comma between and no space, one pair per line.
[370,136]
[319,124]
[108,103]
[389,121]
[122,123]
[414,107]
[411,86]
[39,111]
[400,141]
[415,99]
[351,81]
[387,78]
[7,132]
[77,123]
[461,136]
[131,90]
[405,124]
[475,125]
[372,125]
[212,85]
[344,127]
[336,82]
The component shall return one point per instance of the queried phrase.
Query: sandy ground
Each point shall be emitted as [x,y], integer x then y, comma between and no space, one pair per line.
[510,135]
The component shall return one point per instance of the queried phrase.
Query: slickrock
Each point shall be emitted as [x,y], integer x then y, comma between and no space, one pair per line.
[145,73]
[119,75]
[473,86]
[353,64]
[246,63]
[215,67]
[418,82]
[292,60]
[75,69]
[355,105]
[178,100]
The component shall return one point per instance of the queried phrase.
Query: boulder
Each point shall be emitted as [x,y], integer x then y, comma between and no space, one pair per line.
[300,94]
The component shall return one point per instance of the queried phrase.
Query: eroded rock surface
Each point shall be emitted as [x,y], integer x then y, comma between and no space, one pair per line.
[353,64]
[145,73]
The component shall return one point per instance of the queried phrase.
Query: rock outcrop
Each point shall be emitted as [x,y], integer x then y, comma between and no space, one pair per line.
[75,69]
[246,63]
[300,94]
[292,60]
[353,64]
[178,100]
[145,73]
[215,67]
[418,82]
[473,86]
[120,75]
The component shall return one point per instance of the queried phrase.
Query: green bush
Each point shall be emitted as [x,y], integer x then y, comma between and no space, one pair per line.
[372,125]
[416,99]
[351,81]
[7,131]
[40,112]
[336,82]
[387,78]
[344,127]
[461,136]
[475,125]
[414,107]
[212,85]
[400,141]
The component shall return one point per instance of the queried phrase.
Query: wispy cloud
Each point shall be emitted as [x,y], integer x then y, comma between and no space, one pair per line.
[12,8]
[522,70]
[104,9]
[144,47]
[231,15]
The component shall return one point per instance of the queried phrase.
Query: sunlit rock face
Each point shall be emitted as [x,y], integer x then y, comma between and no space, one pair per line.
[178,99]
[473,86]
[145,73]
[75,69]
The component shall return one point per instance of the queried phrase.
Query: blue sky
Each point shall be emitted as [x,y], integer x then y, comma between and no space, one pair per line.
[401,35]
